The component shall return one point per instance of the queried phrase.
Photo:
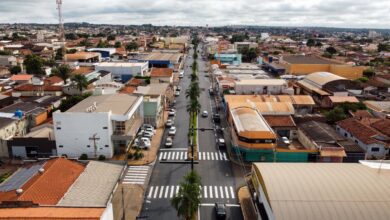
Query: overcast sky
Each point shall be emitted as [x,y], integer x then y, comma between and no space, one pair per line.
[328,13]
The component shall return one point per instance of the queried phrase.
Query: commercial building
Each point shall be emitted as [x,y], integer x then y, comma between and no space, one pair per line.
[239,46]
[303,65]
[104,52]
[379,108]
[161,75]
[83,57]
[163,59]
[261,86]
[229,58]
[305,191]
[123,70]
[98,125]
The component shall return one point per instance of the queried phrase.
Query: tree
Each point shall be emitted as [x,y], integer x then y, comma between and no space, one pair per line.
[310,43]
[34,65]
[369,73]
[5,52]
[252,54]
[194,91]
[71,36]
[81,82]
[335,114]
[71,101]
[238,38]
[111,37]
[331,50]
[15,69]
[383,47]
[59,55]
[101,44]
[132,46]
[63,71]
[118,44]
[187,200]
[318,44]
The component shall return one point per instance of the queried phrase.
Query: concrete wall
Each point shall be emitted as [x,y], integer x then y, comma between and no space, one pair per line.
[347,71]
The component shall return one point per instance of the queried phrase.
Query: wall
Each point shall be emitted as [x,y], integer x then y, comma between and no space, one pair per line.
[7,132]
[72,130]
[108,213]
[347,71]
[303,69]
[259,89]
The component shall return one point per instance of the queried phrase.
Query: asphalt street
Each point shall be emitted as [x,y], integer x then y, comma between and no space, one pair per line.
[220,178]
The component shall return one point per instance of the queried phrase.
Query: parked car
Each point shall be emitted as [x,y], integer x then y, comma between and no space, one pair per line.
[144,126]
[219,129]
[221,143]
[171,112]
[148,134]
[151,130]
[169,123]
[220,210]
[216,118]
[178,88]
[211,91]
[181,75]
[286,140]
[168,142]
[205,114]
[172,131]
[177,93]
[142,142]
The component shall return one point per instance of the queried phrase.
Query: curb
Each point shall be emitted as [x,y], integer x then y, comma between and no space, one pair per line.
[178,161]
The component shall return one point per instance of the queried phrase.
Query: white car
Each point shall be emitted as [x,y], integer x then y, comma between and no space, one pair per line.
[169,123]
[171,113]
[177,93]
[149,129]
[142,142]
[148,134]
[205,114]
[181,75]
[172,131]
[286,140]
[168,142]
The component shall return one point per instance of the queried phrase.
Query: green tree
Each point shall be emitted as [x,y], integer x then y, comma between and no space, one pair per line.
[59,55]
[193,106]
[383,47]
[69,102]
[238,38]
[331,50]
[63,71]
[81,82]
[111,37]
[101,44]
[118,44]
[71,36]
[5,52]
[15,69]
[369,73]
[132,46]
[193,91]
[34,65]
[318,44]
[187,200]
[335,115]
[310,43]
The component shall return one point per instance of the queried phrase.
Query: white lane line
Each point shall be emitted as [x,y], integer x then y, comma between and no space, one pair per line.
[172,189]
[173,149]
[220,155]
[227,192]
[138,171]
[200,194]
[185,155]
[208,156]
[199,155]
[211,191]
[232,192]
[224,156]
[166,192]
[181,155]
[161,192]
[160,156]
[155,193]
[136,174]
[173,155]
[177,189]
[137,183]
[205,191]
[169,155]
[150,192]
[165,156]
[204,155]
[212,156]
[221,192]
[138,168]
[216,156]
[216,191]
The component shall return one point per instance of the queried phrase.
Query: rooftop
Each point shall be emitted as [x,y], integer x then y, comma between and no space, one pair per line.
[280,120]
[116,103]
[51,213]
[301,59]
[173,57]
[161,72]
[360,131]
[81,56]
[122,64]
[319,79]
[342,99]
[31,87]
[248,119]
[21,77]
[152,89]
[271,82]
[94,186]
[379,106]
[325,190]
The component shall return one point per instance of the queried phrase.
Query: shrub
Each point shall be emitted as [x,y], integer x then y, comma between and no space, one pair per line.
[138,155]
[83,157]
[102,157]
[130,156]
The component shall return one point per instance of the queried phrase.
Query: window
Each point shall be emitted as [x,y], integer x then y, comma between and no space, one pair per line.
[58,128]
[60,146]
[88,146]
[106,145]
[356,141]
[345,135]
[375,149]
[105,128]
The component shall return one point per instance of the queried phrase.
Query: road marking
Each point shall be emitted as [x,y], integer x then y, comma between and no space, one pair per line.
[205,191]
[204,155]
[220,155]
[172,189]
[227,192]
[232,192]
[166,192]
[212,204]
[155,193]
[211,191]
[200,194]
[181,155]
[169,155]
[216,191]
[164,157]
[221,192]
[208,156]
[136,175]
[224,156]
[161,192]
[212,156]
[172,149]
[185,155]
[177,189]
[199,156]
[173,155]
[150,192]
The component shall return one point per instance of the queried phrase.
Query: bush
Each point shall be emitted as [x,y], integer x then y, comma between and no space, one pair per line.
[102,157]
[138,155]
[83,157]
[130,156]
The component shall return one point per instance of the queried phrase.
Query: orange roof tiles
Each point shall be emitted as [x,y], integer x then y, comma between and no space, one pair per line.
[83,70]
[279,120]
[81,56]
[53,80]
[362,132]
[53,213]
[50,186]
[30,87]
[128,89]
[161,72]
[21,77]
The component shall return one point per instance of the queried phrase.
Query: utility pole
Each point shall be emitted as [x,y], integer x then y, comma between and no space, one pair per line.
[61,31]
[94,139]
[192,148]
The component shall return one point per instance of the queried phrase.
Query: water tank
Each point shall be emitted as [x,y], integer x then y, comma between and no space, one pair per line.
[270,59]
[19,113]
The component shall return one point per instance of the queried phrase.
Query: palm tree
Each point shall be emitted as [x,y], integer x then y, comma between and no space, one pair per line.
[81,82]
[194,91]
[187,200]
[193,106]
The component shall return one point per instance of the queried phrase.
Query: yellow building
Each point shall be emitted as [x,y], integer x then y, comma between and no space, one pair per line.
[303,65]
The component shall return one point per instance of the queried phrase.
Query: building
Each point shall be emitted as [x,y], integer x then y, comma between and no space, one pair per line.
[124,70]
[375,143]
[104,52]
[303,65]
[60,189]
[322,84]
[37,90]
[10,127]
[334,101]
[261,86]
[303,191]
[98,125]
[34,113]
[21,78]
[38,143]
[163,60]
[379,108]
[229,58]
[8,61]
[161,75]
[83,57]
[94,77]
[239,46]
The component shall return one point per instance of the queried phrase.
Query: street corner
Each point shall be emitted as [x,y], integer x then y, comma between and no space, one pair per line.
[245,200]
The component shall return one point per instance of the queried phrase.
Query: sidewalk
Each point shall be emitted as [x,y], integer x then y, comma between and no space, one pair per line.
[245,200]
[132,196]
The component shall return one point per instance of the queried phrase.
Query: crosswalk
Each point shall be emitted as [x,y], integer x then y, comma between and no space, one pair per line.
[207,192]
[136,175]
[183,155]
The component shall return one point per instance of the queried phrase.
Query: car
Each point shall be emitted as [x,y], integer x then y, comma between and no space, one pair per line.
[144,126]
[177,93]
[172,131]
[150,130]
[221,142]
[148,134]
[216,118]
[285,140]
[211,91]
[168,142]
[220,210]
[205,114]
[142,142]
[219,129]
[169,123]
[171,113]
[178,88]
[181,75]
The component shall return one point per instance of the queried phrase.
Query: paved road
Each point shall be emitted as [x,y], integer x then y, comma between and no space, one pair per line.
[220,179]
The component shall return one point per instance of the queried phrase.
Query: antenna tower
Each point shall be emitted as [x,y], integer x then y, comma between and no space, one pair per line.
[61,31]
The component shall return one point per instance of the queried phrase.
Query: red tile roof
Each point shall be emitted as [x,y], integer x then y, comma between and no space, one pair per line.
[53,213]
[382,126]
[362,132]
[53,80]
[21,77]
[30,87]
[161,72]
[361,114]
[50,186]
[135,82]
[279,121]
[128,89]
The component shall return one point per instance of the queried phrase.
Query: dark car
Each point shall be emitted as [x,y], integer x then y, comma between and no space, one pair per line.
[211,92]
[221,143]
[220,210]
[216,118]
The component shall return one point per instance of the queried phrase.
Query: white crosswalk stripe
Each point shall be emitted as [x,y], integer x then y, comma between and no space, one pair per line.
[206,192]
[136,175]
[202,156]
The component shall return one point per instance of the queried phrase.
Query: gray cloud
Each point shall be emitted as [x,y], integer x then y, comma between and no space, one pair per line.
[336,13]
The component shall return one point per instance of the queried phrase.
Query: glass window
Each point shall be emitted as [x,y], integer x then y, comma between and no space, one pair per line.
[375,149]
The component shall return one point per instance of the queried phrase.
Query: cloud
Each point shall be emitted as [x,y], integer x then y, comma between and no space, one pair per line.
[330,13]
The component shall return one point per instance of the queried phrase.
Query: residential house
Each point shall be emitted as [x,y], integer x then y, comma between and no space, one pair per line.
[161,75]
[83,57]
[21,78]
[379,108]
[10,126]
[37,90]
[123,71]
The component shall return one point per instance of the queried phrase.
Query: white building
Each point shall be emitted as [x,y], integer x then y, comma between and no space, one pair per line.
[124,70]
[98,125]
[260,86]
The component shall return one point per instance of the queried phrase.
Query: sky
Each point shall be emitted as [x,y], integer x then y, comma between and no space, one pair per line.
[325,13]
